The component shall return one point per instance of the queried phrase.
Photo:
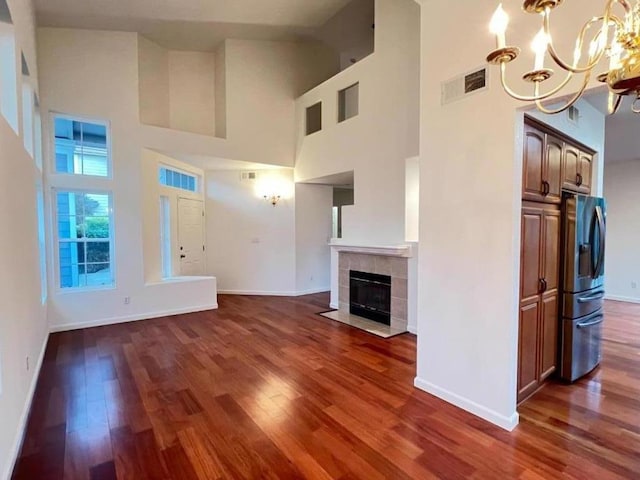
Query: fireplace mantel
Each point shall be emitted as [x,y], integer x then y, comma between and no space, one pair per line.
[384,250]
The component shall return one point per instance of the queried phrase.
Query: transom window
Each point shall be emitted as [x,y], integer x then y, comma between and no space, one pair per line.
[84,239]
[81,147]
[176,179]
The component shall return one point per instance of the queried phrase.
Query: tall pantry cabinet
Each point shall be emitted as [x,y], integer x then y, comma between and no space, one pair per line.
[552,164]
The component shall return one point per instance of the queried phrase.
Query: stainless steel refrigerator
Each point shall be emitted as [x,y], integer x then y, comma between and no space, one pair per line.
[584,237]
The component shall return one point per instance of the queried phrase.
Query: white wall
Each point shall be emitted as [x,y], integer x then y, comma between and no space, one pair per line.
[262,80]
[621,189]
[23,323]
[313,222]
[153,83]
[349,32]
[376,143]
[250,243]
[152,191]
[470,197]
[94,74]
[192,91]
[412,200]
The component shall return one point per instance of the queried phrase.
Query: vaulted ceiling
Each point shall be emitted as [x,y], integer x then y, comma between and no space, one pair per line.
[193,24]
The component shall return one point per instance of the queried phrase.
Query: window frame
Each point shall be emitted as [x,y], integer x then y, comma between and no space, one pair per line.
[56,238]
[53,115]
[196,177]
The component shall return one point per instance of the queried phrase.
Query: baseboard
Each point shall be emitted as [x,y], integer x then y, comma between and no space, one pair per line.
[507,423]
[335,306]
[263,293]
[131,318]
[412,329]
[617,298]
[22,425]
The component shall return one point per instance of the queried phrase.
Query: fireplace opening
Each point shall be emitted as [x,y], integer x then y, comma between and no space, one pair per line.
[370,296]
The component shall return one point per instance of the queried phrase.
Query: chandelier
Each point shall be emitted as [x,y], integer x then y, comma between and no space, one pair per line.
[612,35]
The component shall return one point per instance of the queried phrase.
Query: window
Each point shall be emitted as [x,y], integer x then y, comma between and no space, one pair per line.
[8,73]
[41,241]
[37,132]
[176,179]
[84,239]
[165,237]
[314,118]
[348,102]
[82,148]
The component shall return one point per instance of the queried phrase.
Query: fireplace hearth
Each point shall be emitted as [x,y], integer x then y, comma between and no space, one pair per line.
[370,296]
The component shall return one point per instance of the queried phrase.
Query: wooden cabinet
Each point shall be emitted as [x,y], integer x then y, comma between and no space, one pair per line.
[585,169]
[576,170]
[542,168]
[539,296]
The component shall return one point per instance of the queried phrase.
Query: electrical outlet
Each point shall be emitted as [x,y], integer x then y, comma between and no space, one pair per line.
[127,300]
[28,366]
[634,285]
[311,278]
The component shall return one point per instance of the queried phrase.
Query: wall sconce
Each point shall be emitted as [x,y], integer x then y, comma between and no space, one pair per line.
[273,199]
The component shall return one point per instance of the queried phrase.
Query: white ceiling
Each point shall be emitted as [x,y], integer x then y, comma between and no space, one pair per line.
[193,24]
[622,130]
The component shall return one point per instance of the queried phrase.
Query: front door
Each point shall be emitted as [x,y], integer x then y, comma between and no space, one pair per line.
[191,236]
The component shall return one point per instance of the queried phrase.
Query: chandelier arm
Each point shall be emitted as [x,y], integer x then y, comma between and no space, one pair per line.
[614,102]
[522,98]
[596,59]
[573,100]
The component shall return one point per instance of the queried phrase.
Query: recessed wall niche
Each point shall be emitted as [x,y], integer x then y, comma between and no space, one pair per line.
[314,118]
[181,89]
[348,102]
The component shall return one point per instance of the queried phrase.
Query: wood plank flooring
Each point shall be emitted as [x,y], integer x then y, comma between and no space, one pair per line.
[264,388]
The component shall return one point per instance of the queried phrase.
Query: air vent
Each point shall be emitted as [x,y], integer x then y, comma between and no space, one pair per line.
[464,85]
[248,176]
[573,114]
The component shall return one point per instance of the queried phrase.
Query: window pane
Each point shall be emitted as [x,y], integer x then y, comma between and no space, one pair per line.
[70,227]
[98,252]
[98,275]
[96,227]
[81,148]
[163,176]
[192,184]
[69,255]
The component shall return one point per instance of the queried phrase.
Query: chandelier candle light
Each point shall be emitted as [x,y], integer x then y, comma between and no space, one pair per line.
[614,36]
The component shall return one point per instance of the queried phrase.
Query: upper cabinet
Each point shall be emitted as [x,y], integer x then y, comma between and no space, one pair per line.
[553,165]
[542,167]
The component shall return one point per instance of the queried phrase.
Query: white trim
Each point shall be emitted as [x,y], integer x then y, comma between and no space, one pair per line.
[335,306]
[617,298]
[385,250]
[22,425]
[507,423]
[131,318]
[262,293]
[412,329]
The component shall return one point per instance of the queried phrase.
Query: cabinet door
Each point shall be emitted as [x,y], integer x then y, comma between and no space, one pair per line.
[548,336]
[553,169]
[532,188]
[528,373]
[584,172]
[551,250]
[530,253]
[570,167]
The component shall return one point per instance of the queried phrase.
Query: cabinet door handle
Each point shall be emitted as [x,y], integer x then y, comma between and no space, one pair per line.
[542,285]
[579,179]
[546,188]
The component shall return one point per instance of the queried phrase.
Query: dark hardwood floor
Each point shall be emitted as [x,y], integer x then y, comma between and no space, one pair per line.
[265,388]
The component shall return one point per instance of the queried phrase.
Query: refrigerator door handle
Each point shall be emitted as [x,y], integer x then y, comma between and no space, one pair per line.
[602,231]
[599,319]
[596,296]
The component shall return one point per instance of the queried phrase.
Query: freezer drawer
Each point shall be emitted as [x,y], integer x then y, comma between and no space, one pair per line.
[581,346]
[576,305]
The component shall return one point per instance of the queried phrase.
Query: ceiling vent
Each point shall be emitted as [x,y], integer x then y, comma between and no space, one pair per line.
[248,176]
[464,85]
[573,113]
